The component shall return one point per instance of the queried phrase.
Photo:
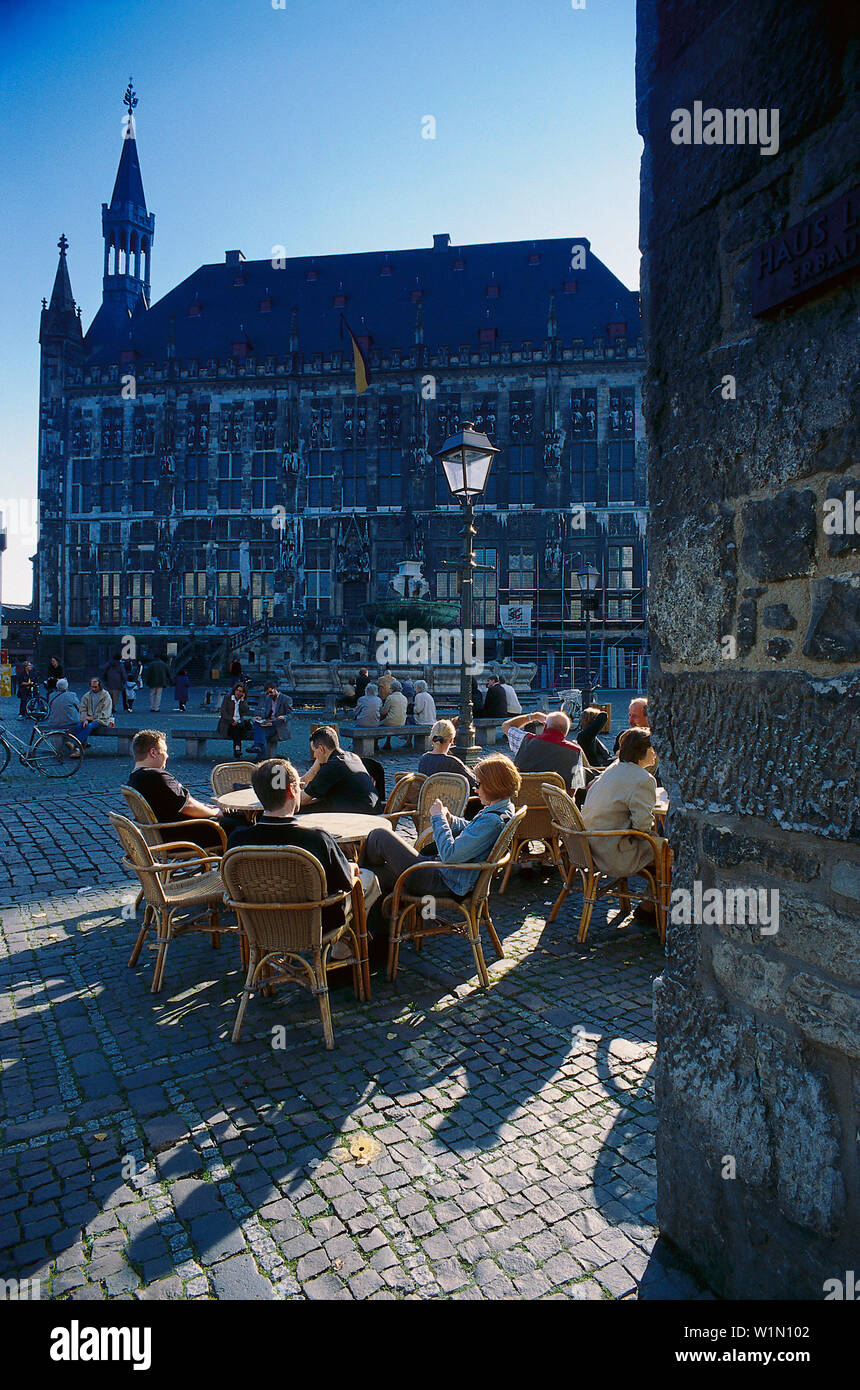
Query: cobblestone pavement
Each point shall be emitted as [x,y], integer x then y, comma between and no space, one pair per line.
[145,1156]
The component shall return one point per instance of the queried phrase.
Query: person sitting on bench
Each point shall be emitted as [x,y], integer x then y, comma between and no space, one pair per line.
[271,724]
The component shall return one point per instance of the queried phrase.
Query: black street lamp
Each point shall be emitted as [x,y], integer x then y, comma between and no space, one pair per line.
[466,460]
[588,578]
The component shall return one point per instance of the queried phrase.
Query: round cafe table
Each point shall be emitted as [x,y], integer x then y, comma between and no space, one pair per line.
[347,828]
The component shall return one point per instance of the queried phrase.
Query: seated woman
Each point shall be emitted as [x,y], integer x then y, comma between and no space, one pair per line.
[368,707]
[624,798]
[594,721]
[440,758]
[457,840]
[234,722]
[424,708]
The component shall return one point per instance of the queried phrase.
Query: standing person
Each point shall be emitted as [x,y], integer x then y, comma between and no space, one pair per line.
[55,671]
[181,690]
[362,681]
[133,679]
[28,684]
[235,669]
[113,676]
[156,677]
[17,675]
[477,699]
[513,699]
[272,723]
[95,712]
[234,722]
[64,708]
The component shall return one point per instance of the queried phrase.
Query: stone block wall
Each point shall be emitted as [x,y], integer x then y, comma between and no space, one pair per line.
[752,425]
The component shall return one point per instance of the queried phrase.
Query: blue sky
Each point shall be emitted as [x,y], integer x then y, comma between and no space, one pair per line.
[300,127]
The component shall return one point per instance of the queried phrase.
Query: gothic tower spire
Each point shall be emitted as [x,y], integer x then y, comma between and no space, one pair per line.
[59,317]
[128,229]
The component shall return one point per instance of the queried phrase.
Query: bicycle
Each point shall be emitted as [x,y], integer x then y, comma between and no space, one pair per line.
[37,706]
[53,754]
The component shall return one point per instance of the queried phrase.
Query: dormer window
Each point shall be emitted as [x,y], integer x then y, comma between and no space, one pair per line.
[311,275]
[487,335]
[616,330]
[339,301]
[492,291]
[459,264]
[265,306]
[534,258]
[416,296]
[238,280]
[570,287]
[194,311]
[363,341]
[385,269]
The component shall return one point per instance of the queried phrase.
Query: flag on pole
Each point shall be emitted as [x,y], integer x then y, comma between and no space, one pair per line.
[362,370]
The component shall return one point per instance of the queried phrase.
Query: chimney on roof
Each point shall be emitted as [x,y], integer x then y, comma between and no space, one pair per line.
[441,241]
[234,257]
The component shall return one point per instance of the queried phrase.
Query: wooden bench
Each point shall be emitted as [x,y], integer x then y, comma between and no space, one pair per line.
[367,740]
[123,738]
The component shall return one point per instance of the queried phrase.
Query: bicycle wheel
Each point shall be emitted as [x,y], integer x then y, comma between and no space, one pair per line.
[4,757]
[56,754]
[37,707]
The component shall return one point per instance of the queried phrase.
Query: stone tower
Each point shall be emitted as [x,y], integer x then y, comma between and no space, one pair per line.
[750,217]
[128,231]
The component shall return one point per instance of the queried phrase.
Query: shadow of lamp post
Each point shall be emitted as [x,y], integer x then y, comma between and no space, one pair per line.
[466,460]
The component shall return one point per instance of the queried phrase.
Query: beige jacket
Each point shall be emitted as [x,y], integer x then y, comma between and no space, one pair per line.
[394,709]
[623,797]
[96,705]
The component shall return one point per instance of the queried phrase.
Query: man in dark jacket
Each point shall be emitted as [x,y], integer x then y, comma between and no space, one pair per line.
[156,677]
[272,723]
[495,700]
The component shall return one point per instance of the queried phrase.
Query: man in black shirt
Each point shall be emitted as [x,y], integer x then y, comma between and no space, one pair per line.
[167,797]
[277,787]
[336,780]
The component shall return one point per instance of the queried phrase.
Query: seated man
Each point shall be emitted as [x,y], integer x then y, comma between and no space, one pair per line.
[169,800]
[95,712]
[394,709]
[337,780]
[550,751]
[495,700]
[272,723]
[637,714]
[278,789]
[64,708]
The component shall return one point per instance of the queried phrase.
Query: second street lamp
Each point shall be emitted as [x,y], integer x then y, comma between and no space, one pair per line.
[466,459]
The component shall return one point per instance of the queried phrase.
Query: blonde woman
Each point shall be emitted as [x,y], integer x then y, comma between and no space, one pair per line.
[440,759]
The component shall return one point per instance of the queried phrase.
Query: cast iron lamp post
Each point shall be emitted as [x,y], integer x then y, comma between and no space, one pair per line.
[466,460]
[588,578]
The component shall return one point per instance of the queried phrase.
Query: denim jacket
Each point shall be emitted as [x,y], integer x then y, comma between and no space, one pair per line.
[468,842]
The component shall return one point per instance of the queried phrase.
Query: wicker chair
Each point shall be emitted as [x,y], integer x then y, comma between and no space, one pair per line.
[408,922]
[278,895]
[452,790]
[182,877]
[403,796]
[575,840]
[230,777]
[157,832]
[537,823]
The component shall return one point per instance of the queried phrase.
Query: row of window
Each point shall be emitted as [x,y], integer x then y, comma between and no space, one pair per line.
[581,422]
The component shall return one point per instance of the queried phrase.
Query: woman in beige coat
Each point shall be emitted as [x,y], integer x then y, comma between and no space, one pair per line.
[623,797]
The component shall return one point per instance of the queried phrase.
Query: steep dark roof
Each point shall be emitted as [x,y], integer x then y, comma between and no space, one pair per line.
[454,301]
[62,299]
[128,187]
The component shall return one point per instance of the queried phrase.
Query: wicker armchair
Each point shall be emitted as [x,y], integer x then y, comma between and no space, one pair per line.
[183,877]
[278,895]
[536,825]
[403,796]
[230,777]
[576,842]
[408,922]
[156,832]
[452,790]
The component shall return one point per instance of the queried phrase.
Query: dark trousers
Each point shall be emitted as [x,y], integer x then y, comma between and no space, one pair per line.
[388,855]
[202,832]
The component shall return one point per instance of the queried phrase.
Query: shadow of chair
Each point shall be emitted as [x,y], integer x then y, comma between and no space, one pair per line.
[536,825]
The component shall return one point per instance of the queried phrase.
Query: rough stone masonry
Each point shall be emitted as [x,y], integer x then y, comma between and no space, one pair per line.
[752,423]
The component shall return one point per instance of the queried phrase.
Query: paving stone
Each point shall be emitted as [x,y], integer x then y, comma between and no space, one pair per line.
[238,1278]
